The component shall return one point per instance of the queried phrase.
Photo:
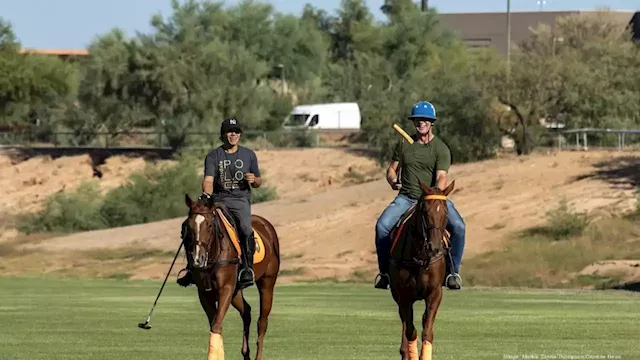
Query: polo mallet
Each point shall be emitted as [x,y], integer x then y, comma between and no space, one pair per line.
[145,325]
[410,140]
[403,133]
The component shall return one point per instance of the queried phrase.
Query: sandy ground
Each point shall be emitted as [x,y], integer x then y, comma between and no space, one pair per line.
[326,217]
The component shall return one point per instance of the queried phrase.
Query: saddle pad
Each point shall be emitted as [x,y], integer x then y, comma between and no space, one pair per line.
[259,254]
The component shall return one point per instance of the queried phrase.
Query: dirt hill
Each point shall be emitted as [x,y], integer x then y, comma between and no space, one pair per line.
[330,200]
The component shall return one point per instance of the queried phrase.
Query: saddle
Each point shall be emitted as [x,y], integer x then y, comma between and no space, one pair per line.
[396,231]
[229,225]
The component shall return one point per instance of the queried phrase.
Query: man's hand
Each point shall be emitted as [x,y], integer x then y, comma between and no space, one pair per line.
[253,180]
[396,185]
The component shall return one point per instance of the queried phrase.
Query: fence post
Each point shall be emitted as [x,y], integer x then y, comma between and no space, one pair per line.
[584,138]
[619,141]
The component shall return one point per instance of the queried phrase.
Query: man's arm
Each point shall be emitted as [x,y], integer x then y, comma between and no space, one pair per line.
[443,162]
[207,185]
[441,179]
[392,172]
[254,170]
[209,174]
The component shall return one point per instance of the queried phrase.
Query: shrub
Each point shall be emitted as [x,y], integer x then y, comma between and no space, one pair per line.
[562,223]
[153,194]
[66,212]
[262,194]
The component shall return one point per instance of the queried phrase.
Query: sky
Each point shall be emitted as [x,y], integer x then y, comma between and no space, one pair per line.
[73,24]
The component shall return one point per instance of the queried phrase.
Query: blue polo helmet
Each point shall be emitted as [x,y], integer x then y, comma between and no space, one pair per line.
[423,110]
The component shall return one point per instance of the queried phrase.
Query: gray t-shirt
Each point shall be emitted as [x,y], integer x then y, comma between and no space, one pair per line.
[228,171]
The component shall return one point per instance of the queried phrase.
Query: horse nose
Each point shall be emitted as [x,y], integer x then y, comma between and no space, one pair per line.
[203,259]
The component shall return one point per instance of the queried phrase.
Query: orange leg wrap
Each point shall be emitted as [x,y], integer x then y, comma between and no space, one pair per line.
[413,350]
[425,354]
[216,348]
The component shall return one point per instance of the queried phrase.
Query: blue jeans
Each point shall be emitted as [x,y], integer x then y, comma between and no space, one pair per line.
[393,213]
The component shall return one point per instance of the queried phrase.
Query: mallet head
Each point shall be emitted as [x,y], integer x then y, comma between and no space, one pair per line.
[145,325]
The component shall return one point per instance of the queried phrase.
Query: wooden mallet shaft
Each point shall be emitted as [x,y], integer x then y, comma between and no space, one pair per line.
[403,133]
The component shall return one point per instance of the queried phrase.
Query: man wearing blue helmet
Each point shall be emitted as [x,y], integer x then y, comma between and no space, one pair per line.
[427,159]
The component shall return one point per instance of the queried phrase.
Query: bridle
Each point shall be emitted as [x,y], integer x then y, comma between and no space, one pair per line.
[425,227]
[216,234]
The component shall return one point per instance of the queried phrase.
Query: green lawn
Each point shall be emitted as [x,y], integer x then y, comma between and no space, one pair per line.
[97,319]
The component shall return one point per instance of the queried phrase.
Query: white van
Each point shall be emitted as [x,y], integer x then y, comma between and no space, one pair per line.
[343,116]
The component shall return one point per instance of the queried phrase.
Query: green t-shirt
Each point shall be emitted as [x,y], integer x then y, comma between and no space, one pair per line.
[420,162]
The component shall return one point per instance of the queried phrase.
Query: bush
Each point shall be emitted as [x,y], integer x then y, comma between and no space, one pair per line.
[262,194]
[562,223]
[149,195]
[152,195]
[66,212]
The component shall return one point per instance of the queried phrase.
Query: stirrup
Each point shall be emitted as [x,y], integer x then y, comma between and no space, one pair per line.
[253,275]
[455,276]
[379,279]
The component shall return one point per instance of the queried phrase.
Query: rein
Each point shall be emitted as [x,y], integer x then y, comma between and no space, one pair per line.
[216,234]
[424,231]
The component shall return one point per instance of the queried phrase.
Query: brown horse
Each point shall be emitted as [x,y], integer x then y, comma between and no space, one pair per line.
[418,267]
[215,270]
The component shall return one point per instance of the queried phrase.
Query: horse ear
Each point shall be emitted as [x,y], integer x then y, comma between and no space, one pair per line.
[210,203]
[188,201]
[449,188]
[425,188]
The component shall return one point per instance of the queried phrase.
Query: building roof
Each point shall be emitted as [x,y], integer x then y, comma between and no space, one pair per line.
[57,52]
[490,28]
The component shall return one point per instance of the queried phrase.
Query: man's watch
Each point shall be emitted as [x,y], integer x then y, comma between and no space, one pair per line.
[204,196]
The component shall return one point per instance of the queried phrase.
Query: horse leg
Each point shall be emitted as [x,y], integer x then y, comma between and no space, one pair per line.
[432,303]
[208,306]
[244,309]
[410,333]
[404,344]
[216,345]
[404,352]
[265,288]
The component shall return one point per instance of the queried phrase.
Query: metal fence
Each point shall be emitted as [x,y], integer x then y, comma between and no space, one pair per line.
[585,138]
[283,138]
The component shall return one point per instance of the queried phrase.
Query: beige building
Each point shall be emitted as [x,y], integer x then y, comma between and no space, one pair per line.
[490,29]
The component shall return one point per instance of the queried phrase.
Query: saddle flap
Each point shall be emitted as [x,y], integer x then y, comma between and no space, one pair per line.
[259,252]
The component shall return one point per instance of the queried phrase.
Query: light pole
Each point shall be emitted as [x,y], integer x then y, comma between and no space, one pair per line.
[541,3]
[508,48]
[425,5]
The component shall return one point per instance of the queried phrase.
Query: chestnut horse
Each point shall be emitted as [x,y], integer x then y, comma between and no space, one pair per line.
[215,271]
[418,267]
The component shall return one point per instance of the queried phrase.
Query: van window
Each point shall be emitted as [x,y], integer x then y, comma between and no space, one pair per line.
[314,120]
[297,119]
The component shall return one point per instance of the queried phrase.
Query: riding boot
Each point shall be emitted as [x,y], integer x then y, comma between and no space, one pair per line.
[187,279]
[246,277]
[453,280]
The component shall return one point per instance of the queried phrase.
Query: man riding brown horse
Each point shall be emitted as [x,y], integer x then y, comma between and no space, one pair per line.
[427,159]
[230,171]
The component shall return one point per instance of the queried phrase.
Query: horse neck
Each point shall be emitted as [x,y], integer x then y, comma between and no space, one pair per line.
[222,246]
[420,232]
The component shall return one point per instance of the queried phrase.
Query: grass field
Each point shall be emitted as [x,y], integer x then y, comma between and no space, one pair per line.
[48,318]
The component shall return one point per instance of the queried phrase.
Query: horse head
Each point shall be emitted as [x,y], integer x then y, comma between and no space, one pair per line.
[431,222]
[202,230]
